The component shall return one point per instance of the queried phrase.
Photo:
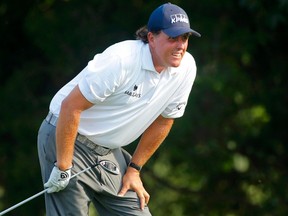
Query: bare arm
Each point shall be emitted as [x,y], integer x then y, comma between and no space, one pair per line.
[151,139]
[67,126]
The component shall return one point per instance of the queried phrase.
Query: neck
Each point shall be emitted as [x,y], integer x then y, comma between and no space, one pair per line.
[157,65]
[159,69]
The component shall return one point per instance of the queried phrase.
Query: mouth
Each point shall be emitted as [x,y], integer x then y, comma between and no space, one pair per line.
[177,55]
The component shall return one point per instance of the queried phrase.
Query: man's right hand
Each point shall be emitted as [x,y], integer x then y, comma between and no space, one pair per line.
[58,180]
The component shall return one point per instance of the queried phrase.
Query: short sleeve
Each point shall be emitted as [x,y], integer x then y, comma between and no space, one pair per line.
[178,102]
[101,77]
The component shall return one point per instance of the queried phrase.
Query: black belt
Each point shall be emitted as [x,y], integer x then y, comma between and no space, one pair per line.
[100,150]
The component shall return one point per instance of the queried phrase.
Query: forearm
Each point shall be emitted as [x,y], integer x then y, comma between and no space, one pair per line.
[67,126]
[151,139]
[66,132]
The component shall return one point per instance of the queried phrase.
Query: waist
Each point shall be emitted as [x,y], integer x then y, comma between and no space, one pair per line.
[51,119]
[95,148]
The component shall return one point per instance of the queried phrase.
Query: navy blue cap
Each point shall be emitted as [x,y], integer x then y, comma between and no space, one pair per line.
[171,19]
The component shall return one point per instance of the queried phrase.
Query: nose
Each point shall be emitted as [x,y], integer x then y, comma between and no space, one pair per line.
[181,43]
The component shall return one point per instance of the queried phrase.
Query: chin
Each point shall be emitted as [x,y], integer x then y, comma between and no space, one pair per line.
[175,64]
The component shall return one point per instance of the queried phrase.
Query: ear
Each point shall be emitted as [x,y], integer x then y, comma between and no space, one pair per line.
[151,38]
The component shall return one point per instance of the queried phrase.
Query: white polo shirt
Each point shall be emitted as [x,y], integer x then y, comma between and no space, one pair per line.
[128,93]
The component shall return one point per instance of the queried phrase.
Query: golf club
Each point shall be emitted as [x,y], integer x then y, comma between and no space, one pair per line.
[107,165]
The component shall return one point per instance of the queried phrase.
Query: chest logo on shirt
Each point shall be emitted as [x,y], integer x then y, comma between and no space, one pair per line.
[133,93]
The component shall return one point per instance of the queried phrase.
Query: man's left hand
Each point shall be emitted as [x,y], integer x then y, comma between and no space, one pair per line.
[132,181]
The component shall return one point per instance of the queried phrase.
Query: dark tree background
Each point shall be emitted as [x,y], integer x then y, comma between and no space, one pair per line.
[226,156]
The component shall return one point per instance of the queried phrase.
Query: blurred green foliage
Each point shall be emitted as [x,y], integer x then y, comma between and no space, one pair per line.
[225,157]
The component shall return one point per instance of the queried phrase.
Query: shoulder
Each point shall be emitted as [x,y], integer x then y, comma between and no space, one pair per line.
[188,60]
[125,48]
[187,65]
[119,55]
[187,69]
[128,53]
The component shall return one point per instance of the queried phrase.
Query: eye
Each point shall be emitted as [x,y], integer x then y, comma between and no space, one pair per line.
[172,38]
[183,37]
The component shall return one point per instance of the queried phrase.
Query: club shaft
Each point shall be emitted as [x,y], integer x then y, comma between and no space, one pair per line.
[24,201]
[40,193]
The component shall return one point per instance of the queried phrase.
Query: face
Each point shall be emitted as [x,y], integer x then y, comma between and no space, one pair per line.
[167,51]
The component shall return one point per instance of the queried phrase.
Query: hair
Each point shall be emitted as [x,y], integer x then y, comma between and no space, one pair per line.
[142,34]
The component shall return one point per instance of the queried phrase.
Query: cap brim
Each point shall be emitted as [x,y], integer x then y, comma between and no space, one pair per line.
[175,32]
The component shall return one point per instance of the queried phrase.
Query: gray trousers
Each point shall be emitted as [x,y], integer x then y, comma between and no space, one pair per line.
[96,185]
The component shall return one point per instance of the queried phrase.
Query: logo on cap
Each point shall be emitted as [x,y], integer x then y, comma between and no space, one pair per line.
[175,18]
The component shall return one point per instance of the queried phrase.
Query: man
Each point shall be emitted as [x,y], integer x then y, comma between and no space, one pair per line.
[133,88]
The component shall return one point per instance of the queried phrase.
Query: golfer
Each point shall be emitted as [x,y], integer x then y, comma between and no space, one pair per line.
[134,88]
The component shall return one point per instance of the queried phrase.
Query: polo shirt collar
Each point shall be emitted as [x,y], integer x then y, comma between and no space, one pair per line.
[147,63]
